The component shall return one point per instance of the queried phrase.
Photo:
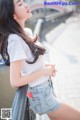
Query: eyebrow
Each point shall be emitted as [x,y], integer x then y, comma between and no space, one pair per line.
[17,1]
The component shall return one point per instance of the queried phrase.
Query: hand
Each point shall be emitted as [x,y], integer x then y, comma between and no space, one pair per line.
[50,70]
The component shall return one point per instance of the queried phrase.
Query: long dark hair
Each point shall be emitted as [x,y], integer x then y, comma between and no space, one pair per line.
[8,26]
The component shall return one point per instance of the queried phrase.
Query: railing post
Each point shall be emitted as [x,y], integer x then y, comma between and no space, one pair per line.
[38,26]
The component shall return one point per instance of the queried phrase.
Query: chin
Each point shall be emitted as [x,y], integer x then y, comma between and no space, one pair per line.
[30,15]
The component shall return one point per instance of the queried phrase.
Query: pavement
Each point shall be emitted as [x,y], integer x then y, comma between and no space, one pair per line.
[63,44]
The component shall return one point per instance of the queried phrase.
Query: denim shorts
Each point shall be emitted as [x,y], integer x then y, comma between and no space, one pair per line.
[43,98]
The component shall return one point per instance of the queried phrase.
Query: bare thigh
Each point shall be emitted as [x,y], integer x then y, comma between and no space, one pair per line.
[52,118]
[65,112]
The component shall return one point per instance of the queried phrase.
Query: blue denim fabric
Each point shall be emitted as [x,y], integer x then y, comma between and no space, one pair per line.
[44,99]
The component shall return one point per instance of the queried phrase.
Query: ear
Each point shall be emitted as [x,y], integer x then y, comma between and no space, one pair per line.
[14,16]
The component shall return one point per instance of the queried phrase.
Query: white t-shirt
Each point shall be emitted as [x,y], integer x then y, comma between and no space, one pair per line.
[19,50]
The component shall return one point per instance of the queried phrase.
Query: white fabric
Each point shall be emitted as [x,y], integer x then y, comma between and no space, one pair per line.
[19,50]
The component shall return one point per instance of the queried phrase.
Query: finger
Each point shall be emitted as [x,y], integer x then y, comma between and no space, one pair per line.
[48,65]
[53,65]
[54,73]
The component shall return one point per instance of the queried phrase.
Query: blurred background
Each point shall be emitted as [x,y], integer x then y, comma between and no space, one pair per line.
[59,29]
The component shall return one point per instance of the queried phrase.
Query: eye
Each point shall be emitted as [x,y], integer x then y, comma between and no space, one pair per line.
[20,3]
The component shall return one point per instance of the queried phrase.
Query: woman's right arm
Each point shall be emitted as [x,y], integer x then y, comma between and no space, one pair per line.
[17,80]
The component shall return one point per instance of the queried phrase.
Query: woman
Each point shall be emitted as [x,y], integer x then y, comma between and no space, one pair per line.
[26,57]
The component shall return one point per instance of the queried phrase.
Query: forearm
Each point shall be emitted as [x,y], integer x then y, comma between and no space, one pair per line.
[29,78]
[17,80]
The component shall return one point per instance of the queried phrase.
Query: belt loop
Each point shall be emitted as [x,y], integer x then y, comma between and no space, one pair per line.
[50,82]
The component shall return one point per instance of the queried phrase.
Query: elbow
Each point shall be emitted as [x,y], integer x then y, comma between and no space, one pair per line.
[14,84]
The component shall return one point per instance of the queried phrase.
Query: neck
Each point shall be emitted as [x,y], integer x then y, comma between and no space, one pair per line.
[21,23]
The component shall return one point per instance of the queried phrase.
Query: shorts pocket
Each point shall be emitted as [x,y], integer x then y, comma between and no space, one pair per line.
[35,104]
[38,108]
[49,97]
[46,91]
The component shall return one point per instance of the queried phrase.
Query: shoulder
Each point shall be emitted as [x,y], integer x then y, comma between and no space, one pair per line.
[29,31]
[14,37]
[17,41]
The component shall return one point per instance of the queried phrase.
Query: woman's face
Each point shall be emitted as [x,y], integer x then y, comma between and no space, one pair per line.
[21,10]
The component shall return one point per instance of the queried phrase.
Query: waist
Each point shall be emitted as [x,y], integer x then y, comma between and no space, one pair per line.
[41,87]
[39,81]
[44,83]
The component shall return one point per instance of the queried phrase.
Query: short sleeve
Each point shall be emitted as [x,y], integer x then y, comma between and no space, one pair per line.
[16,49]
[29,31]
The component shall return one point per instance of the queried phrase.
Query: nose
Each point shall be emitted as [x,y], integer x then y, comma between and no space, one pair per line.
[26,5]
